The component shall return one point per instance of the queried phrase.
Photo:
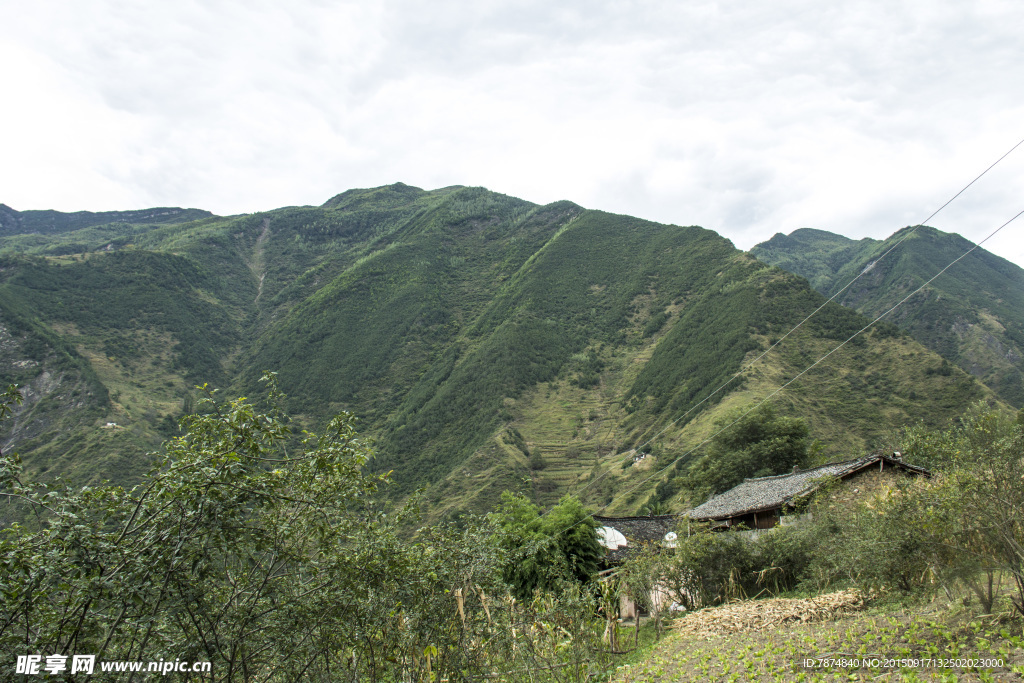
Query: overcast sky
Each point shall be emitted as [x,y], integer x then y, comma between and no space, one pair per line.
[749,118]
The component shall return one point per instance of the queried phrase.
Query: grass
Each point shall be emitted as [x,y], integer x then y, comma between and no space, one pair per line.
[887,635]
[637,648]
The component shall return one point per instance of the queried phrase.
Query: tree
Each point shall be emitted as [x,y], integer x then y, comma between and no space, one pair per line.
[881,542]
[217,552]
[657,507]
[242,552]
[547,550]
[705,568]
[757,445]
[276,564]
[977,501]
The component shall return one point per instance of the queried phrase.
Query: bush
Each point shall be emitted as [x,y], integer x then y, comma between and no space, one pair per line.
[546,552]
[258,557]
[878,544]
[976,503]
[707,567]
[783,557]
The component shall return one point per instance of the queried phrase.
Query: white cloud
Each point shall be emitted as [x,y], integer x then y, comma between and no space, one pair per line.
[748,118]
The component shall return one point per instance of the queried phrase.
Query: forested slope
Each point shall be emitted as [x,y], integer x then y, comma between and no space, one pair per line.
[973,315]
[485,343]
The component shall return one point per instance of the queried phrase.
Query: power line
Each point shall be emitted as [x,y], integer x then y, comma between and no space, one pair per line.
[814,364]
[810,367]
[753,362]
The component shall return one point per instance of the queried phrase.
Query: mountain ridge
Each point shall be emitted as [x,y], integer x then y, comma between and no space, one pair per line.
[970,315]
[51,222]
[486,343]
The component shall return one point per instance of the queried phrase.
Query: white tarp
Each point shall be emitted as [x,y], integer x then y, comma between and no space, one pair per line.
[611,538]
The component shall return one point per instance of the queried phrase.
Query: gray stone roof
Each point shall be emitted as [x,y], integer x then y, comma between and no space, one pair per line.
[770,493]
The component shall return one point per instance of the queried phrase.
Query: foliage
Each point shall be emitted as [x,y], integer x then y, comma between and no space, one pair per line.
[759,444]
[10,397]
[657,508]
[978,501]
[273,562]
[41,345]
[546,551]
[431,316]
[706,567]
[962,525]
[122,290]
[908,535]
[879,543]
[979,301]
[55,222]
[784,556]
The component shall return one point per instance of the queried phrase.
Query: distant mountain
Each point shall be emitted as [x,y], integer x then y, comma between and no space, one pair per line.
[485,342]
[54,222]
[973,314]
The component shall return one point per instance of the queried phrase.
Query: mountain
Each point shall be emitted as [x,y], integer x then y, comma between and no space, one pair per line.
[54,222]
[486,343]
[973,314]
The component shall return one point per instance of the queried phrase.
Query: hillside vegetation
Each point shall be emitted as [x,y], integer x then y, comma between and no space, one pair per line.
[484,342]
[972,315]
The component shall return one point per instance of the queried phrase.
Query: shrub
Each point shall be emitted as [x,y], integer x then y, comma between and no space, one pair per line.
[783,557]
[546,551]
[707,567]
[275,563]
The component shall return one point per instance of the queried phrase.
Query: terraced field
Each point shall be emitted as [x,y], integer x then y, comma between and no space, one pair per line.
[573,439]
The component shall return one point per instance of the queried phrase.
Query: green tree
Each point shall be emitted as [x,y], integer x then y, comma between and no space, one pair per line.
[706,567]
[878,543]
[546,551]
[216,554]
[657,507]
[275,563]
[759,444]
[977,499]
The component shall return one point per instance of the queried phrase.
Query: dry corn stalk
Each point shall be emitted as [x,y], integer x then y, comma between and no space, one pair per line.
[460,602]
[754,615]
[483,603]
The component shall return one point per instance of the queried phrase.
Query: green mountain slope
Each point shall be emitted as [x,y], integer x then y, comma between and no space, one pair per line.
[53,222]
[973,315]
[485,342]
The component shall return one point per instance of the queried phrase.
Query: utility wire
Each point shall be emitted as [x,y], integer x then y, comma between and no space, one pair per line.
[794,379]
[753,362]
[810,367]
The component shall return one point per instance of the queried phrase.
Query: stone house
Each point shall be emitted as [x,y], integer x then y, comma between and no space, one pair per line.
[623,536]
[764,502]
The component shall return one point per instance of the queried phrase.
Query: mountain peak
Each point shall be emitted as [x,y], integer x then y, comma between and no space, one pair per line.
[391,195]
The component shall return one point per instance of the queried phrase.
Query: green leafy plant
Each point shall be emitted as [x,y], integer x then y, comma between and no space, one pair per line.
[242,549]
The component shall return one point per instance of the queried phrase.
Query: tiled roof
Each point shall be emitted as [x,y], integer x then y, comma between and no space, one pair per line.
[770,493]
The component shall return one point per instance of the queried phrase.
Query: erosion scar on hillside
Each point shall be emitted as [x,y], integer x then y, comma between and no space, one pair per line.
[257,266]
